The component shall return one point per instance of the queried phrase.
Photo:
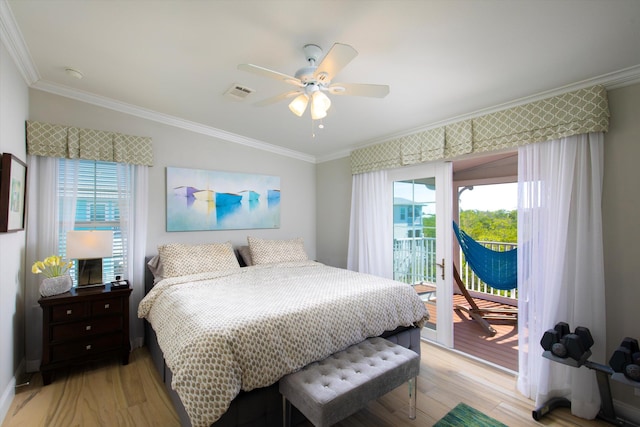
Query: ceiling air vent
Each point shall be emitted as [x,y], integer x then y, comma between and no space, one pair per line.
[238,92]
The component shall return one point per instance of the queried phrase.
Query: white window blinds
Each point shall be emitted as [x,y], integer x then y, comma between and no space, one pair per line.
[96,206]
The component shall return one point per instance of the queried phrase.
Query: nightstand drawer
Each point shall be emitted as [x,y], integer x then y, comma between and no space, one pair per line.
[85,347]
[111,305]
[88,327]
[69,311]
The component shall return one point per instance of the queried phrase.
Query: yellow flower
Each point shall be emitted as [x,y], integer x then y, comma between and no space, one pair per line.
[53,260]
[51,266]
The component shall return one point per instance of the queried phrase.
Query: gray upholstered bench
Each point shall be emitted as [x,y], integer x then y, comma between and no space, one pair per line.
[342,384]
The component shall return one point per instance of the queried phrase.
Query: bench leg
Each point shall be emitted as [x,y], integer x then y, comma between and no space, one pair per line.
[286,412]
[412,398]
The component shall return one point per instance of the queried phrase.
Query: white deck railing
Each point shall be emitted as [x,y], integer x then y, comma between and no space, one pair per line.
[414,261]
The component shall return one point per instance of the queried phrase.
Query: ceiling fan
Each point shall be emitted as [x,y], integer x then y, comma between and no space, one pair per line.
[314,80]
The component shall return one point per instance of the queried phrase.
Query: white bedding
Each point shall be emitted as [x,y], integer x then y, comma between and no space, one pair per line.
[224,331]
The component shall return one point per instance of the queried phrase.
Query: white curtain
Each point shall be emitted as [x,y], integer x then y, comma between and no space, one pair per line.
[42,241]
[133,184]
[45,230]
[560,264]
[370,233]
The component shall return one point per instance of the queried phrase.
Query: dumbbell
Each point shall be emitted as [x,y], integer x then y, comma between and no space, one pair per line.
[626,359]
[551,340]
[564,344]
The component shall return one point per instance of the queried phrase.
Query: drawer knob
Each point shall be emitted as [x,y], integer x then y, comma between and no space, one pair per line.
[69,312]
[87,328]
[88,347]
[106,305]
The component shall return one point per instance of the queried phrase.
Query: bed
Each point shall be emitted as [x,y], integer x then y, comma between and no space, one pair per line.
[221,335]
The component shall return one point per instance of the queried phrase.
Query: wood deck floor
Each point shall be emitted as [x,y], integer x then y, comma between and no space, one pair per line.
[470,338]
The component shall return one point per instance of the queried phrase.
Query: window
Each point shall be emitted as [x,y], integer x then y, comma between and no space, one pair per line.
[96,206]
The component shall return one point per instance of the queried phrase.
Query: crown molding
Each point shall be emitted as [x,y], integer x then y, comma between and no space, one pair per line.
[12,39]
[334,156]
[613,80]
[155,116]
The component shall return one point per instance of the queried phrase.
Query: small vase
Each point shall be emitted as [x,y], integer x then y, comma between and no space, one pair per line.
[55,285]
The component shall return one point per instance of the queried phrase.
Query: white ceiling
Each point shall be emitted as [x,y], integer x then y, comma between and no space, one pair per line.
[443,59]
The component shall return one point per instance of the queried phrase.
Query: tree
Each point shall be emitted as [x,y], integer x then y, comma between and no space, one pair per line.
[492,226]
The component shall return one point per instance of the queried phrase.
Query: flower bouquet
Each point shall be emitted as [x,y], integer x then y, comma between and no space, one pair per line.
[57,280]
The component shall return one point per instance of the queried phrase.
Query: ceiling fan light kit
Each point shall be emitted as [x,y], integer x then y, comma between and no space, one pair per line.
[312,81]
[299,104]
[320,103]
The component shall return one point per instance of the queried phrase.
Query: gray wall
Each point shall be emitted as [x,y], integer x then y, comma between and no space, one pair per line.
[333,198]
[621,228]
[13,112]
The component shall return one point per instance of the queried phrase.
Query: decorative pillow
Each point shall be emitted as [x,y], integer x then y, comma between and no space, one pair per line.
[156,268]
[270,251]
[245,253]
[182,259]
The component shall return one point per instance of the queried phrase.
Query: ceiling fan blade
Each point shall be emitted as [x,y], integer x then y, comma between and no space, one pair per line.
[335,60]
[358,89]
[265,72]
[277,98]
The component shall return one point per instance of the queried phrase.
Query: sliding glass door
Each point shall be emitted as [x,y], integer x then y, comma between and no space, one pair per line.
[422,241]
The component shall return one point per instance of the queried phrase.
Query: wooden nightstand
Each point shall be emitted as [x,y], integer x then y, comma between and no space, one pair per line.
[84,325]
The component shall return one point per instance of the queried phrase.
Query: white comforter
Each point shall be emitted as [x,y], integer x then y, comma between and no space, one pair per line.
[246,328]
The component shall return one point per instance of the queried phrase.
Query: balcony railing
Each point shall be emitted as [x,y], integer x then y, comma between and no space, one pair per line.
[414,261]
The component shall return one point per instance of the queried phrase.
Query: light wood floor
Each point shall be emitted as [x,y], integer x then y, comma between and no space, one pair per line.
[109,394]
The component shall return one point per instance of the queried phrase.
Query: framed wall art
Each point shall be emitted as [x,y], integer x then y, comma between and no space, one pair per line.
[212,200]
[13,191]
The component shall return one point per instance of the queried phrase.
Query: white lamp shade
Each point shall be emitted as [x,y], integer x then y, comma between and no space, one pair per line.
[89,244]
[320,103]
[299,104]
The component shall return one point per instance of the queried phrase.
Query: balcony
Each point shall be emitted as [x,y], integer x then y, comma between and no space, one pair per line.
[414,263]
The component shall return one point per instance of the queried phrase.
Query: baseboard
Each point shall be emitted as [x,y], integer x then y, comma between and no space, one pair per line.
[7,397]
[627,412]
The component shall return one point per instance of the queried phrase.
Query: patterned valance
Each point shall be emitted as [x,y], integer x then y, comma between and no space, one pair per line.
[422,146]
[573,113]
[51,140]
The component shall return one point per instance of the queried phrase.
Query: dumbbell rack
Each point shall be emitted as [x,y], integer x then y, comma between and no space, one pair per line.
[603,372]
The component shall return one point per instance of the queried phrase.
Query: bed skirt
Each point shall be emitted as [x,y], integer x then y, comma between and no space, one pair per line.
[259,407]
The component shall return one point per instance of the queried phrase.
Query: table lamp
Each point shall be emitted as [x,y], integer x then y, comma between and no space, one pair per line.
[89,247]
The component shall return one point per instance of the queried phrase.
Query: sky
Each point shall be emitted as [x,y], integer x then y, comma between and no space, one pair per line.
[490,197]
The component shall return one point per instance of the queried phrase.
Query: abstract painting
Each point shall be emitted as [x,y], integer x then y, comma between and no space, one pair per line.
[214,200]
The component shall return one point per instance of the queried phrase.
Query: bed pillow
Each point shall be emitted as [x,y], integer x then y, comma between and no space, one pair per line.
[245,254]
[270,251]
[180,259]
[156,268]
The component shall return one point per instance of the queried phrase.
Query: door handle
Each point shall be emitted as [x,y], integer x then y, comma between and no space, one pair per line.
[442,267]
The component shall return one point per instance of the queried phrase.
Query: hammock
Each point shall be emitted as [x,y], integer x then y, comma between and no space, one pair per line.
[497,269]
